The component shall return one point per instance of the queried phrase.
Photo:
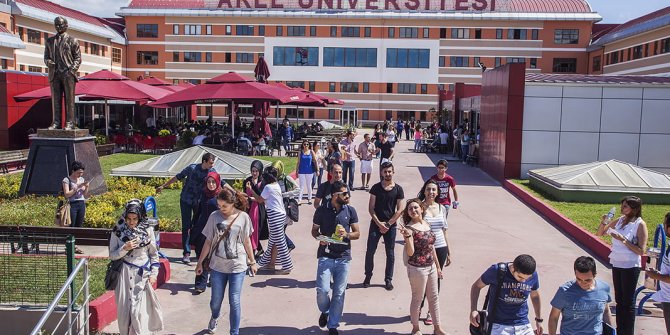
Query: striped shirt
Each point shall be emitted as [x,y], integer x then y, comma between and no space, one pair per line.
[437,223]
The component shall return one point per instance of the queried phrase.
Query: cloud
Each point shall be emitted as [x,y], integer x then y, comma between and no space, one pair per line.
[100,8]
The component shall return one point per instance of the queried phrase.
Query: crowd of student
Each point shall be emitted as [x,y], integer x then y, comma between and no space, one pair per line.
[228,228]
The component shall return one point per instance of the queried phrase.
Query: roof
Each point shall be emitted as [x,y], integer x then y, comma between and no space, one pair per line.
[611,175]
[596,79]
[46,11]
[651,21]
[9,40]
[61,11]
[229,165]
[118,27]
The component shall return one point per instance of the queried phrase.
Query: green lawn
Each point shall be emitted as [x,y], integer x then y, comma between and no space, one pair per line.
[587,215]
[116,160]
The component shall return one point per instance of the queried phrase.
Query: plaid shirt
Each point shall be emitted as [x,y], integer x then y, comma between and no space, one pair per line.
[195,182]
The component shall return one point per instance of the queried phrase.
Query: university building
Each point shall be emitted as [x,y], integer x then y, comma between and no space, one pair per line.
[386,58]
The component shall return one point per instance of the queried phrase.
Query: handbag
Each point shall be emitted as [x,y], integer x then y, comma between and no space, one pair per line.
[208,259]
[485,326]
[292,209]
[112,274]
[63,218]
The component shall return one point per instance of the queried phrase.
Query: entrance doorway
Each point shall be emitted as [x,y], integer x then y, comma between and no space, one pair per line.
[349,117]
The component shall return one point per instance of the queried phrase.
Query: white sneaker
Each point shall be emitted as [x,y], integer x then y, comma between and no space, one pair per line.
[186,259]
[211,328]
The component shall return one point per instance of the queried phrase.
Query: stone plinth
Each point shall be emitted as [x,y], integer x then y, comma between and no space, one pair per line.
[51,154]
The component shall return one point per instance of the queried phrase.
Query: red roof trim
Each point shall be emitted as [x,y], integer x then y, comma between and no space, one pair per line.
[62,11]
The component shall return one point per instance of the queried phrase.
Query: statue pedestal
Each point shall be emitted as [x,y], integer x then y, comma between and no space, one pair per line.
[51,154]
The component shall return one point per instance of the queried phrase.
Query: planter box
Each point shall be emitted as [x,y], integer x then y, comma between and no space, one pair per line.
[105,149]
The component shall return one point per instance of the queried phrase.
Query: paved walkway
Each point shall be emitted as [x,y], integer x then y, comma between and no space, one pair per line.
[489,226]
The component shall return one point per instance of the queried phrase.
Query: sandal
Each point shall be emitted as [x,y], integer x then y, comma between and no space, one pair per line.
[428,321]
[78,251]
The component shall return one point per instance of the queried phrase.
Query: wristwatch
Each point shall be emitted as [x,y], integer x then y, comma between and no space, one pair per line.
[539,320]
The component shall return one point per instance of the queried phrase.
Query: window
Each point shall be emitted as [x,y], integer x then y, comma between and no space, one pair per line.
[310,113]
[366,114]
[478,34]
[408,58]
[367,32]
[440,87]
[244,30]
[95,49]
[298,84]
[116,55]
[460,33]
[533,63]
[34,36]
[86,47]
[408,32]
[333,31]
[34,68]
[637,52]
[244,57]
[424,88]
[261,30]
[565,65]
[516,60]
[366,87]
[3,64]
[280,31]
[312,31]
[312,86]
[614,58]
[175,29]
[665,46]
[175,81]
[535,34]
[147,30]
[23,68]
[459,61]
[389,87]
[389,115]
[229,30]
[497,62]
[350,57]
[426,33]
[476,61]
[596,63]
[20,32]
[208,57]
[566,36]
[192,57]
[404,88]
[175,56]
[517,34]
[499,33]
[208,29]
[391,32]
[228,57]
[349,87]
[331,114]
[443,60]
[351,32]
[331,87]
[443,32]
[192,29]
[296,56]
[147,57]
[295,31]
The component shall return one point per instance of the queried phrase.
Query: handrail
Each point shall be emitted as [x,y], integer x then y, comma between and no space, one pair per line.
[83,263]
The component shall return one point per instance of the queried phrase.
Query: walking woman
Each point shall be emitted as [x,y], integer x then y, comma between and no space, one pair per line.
[306,167]
[629,240]
[436,216]
[257,210]
[320,163]
[137,308]
[417,139]
[228,233]
[207,206]
[75,190]
[277,250]
[423,269]
[289,190]
[334,156]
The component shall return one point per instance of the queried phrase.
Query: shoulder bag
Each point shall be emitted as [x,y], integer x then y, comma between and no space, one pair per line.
[63,218]
[112,274]
[292,209]
[208,259]
[485,321]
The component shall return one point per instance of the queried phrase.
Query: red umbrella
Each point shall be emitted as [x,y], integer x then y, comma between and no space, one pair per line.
[153,81]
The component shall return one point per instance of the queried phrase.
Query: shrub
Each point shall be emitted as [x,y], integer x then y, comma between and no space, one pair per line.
[100,139]
[163,133]
[158,181]
[9,186]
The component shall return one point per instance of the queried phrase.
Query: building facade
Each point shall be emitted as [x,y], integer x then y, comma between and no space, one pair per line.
[387,59]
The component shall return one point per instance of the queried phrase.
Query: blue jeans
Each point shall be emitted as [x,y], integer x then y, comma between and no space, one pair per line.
[187,213]
[77,213]
[338,270]
[348,170]
[465,148]
[219,281]
[417,145]
[285,143]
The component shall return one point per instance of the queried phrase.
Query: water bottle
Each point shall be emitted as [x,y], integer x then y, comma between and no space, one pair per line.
[610,215]
[454,204]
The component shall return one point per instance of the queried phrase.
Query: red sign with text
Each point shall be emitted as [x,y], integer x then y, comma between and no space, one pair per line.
[393,5]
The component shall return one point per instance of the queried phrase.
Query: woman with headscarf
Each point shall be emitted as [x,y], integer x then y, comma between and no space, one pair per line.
[137,307]
[289,190]
[207,206]
[256,209]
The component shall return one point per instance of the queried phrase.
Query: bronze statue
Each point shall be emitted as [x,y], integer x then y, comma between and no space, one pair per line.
[63,57]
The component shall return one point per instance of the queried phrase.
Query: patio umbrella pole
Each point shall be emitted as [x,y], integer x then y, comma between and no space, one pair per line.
[106,119]
[232,113]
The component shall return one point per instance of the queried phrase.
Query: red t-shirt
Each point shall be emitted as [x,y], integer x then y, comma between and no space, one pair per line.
[444,184]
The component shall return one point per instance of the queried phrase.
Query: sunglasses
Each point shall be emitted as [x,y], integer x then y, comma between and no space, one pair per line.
[344,194]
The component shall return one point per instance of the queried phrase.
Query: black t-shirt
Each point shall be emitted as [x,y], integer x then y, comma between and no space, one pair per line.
[385,201]
[323,192]
[386,149]
[327,218]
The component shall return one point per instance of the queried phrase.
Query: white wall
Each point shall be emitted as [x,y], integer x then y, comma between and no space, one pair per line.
[572,124]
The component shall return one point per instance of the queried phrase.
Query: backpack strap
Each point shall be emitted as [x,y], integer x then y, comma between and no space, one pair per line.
[500,275]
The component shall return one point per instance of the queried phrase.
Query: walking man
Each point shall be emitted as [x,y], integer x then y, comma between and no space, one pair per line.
[286,136]
[511,307]
[386,150]
[385,207]
[349,159]
[582,303]
[323,191]
[365,152]
[334,219]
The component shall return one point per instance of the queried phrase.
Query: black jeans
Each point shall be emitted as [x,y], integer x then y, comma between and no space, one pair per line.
[77,213]
[666,315]
[389,244]
[625,283]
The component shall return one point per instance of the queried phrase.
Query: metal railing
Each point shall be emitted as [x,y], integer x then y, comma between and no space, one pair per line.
[76,321]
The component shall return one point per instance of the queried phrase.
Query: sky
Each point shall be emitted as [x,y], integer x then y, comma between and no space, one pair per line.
[612,11]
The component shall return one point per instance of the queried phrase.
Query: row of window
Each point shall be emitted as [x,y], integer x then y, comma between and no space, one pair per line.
[633,53]
[35,37]
[351,57]
[459,61]
[151,57]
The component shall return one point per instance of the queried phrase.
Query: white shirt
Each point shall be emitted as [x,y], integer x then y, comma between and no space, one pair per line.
[273,199]
[199,139]
[622,257]
[151,122]
[664,294]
